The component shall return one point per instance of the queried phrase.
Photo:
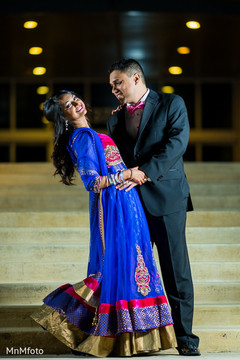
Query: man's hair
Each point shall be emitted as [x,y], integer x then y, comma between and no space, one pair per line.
[129,67]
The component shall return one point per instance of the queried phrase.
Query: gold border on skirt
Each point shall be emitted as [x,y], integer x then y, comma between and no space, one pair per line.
[100,346]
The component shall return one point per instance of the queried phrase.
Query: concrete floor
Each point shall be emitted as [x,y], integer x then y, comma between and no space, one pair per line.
[160,356]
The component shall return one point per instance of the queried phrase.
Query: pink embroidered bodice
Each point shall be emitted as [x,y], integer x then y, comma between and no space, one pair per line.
[112,153]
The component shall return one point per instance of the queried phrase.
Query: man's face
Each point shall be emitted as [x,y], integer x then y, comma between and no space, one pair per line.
[123,87]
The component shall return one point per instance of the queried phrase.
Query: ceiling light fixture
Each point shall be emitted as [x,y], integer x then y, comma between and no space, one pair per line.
[183,50]
[30,24]
[175,70]
[39,70]
[35,50]
[193,25]
[167,89]
[42,90]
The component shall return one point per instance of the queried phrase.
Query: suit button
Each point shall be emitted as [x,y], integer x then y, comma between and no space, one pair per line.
[160,177]
[137,155]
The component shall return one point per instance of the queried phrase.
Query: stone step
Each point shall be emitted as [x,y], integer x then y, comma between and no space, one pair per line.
[215,189]
[28,179]
[27,253]
[45,235]
[214,252]
[212,340]
[79,252]
[73,201]
[17,316]
[81,235]
[214,235]
[212,315]
[26,168]
[216,315]
[207,292]
[32,293]
[31,190]
[215,202]
[205,172]
[74,271]
[33,339]
[49,203]
[44,219]
[196,171]
[213,218]
[58,189]
[81,218]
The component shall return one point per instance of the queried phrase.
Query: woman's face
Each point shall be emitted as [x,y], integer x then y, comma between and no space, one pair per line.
[73,108]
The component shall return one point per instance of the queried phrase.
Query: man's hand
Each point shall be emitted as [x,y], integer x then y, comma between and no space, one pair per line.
[138,176]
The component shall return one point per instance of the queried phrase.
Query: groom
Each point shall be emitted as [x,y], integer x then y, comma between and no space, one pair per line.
[151,131]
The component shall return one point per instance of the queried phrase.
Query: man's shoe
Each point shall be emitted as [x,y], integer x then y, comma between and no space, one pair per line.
[188,350]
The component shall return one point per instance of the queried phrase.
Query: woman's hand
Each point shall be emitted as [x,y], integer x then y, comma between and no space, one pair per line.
[138,177]
[127,185]
[117,109]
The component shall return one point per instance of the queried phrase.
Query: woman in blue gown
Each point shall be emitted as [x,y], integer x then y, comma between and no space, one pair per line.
[120,307]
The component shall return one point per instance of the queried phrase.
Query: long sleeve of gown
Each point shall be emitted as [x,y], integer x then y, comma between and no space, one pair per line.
[86,160]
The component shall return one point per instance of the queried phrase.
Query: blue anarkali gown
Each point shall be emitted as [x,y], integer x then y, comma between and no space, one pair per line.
[120,307]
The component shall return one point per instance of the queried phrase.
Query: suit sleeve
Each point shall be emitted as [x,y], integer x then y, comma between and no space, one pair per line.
[174,143]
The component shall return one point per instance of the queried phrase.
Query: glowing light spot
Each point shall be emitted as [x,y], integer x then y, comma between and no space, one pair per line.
[42,90]
[35,50]
[193,25]
[30,24]
[175,70]
[183,50]
[168,89]
[39,70]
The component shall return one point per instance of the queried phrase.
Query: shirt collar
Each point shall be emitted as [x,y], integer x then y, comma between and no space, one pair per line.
[143,98]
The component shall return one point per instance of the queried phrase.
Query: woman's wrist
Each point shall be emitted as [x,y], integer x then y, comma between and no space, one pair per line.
[127,174]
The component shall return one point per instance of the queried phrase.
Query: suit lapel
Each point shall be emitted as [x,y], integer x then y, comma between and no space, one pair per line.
[150,105]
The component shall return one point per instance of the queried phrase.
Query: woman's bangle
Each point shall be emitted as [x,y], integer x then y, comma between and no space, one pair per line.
[121,176]
[132,174]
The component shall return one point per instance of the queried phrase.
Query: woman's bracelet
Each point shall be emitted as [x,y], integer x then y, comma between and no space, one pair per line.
[132,174]
[121,176]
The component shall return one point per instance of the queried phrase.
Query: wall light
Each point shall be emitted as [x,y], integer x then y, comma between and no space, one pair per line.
[42,90]
[167,89]
[183,50]
[35,50]
[193,25]
[30,24]
[39,70]
[175,70]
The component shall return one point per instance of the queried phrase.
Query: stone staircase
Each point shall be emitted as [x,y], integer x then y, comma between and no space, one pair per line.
[44,235]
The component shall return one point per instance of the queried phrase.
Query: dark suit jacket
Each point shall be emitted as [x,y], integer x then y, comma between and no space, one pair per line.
[162,140]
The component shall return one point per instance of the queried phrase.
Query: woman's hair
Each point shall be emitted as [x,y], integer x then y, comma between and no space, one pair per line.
[52,110]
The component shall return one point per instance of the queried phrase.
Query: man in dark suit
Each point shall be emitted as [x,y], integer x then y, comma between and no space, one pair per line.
[151,131]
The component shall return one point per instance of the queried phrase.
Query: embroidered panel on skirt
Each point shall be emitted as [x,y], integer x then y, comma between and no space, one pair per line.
[142,276]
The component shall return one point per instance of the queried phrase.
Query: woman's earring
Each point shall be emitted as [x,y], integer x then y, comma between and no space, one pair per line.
[66,125]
